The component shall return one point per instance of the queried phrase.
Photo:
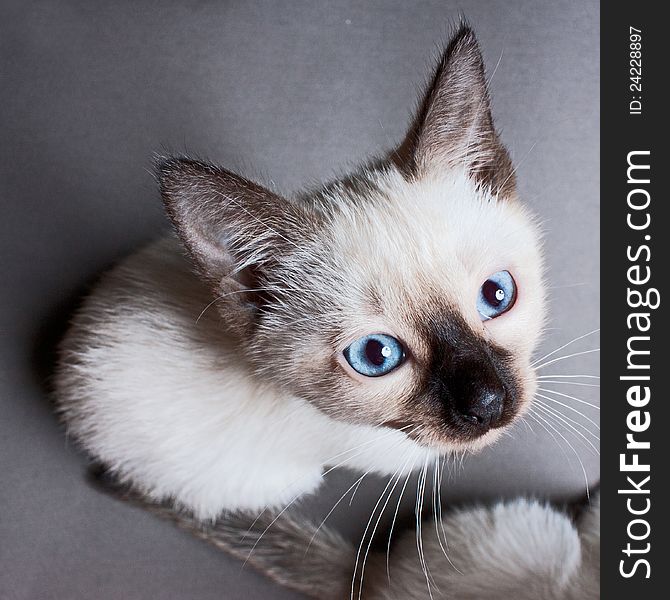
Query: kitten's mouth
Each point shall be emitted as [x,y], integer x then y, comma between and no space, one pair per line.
[454,428]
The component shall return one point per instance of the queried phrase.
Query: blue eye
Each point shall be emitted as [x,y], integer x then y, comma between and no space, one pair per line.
[496,296]
[375,355]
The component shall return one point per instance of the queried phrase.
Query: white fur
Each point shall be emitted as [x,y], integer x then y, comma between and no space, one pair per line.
[159,396]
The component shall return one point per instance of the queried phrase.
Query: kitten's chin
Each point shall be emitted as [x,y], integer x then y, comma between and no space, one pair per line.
[449,444]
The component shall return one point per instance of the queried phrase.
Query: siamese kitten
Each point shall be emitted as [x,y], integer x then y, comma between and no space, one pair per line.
[376,323]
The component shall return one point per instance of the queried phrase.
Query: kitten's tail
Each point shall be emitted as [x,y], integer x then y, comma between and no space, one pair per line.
[315,561]
[295,554]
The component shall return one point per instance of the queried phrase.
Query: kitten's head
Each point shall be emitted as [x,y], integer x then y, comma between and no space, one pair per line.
[406,295]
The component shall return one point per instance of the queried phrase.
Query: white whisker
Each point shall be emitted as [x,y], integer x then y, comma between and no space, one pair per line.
[330,512]
[527,424]
[561,376]
[379,518]
[353,495]
[419,516]
[581,337]
[571,408]
[570,428]
[532,415]
[558,411]
[395,516]
[365,533]
[437,509]
[591,405]
[518,164]
[572,448]
[555,360]
[594,385]
[368,442]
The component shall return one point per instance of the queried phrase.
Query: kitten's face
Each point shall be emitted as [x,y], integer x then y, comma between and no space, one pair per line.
[408,295]
[409,262]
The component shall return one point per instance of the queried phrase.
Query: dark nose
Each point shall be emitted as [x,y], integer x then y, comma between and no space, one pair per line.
[482,405]
[476,392]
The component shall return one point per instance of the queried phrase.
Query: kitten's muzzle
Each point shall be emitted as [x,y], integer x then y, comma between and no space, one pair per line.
[472,385]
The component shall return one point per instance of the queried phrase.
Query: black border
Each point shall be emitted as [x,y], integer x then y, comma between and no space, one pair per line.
[622,133]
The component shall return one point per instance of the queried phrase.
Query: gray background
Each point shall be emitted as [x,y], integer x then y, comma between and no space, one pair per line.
[293,91]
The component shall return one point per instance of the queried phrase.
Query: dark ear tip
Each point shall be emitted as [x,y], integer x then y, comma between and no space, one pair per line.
[463,48]
[463,28]
[464,36]
[167,168]
[174,172]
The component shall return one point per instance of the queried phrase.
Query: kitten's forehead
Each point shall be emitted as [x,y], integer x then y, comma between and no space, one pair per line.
[437,231]
[420,249]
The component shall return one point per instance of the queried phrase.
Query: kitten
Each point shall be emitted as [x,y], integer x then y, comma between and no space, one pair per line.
[376,323]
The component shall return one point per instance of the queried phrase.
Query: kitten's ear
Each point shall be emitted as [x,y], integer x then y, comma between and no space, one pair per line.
[453,126]
[234,229]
